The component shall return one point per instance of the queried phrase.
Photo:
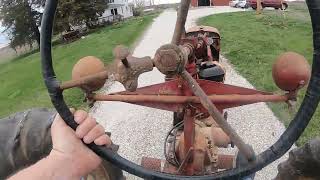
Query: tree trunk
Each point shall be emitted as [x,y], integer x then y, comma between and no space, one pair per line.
[259,7]
[36,34]
[33,24]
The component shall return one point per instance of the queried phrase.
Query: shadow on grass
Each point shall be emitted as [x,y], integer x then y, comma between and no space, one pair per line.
[21,56]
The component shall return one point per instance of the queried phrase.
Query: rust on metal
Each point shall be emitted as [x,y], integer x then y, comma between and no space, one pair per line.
[181,21]
[221,139]
[174,103]
[169,168]
[170,59]
[203,29]
[189,140]
[216,99]
[185,163]
[121,52]
[226,161]
[209,87]
[158,165]
[200,129]
[217,116]
[207,139]
[188,49]
[198,161]
[88,73]
[84,80]
[192,145]
[291,71]
[129,68]
[151,163]
[210,58]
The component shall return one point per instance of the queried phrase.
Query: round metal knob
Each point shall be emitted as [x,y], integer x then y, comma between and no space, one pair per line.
[291,71]
[170,59]
[88,66]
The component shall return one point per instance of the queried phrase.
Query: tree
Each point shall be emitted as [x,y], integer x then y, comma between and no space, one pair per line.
[21,21]
[139,6]
[78,12]
[63,18]
[21,18]
[88,11]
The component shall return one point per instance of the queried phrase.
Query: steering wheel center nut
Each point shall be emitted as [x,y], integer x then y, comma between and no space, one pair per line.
[170,59]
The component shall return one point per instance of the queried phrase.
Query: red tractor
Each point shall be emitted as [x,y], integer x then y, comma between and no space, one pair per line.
[195,91]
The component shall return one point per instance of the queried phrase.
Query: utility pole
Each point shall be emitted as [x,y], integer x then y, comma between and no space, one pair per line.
[259,7]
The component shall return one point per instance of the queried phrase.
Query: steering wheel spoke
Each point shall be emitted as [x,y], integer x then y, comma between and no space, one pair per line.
[84,80]
[218,117]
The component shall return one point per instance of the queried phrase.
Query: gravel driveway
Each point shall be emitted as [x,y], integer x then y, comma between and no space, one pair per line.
[141,131]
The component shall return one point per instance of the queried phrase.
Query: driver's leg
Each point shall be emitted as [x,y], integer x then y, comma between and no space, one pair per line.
[303,163]
[25,138]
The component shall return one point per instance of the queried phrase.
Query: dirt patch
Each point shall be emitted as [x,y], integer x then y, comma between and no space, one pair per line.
[7,53]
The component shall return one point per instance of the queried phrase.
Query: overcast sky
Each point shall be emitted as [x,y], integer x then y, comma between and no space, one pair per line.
[3,39]
[165,1]
[161,1]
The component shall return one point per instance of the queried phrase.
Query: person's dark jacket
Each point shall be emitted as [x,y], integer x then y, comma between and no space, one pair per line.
[25,138]
[303,163]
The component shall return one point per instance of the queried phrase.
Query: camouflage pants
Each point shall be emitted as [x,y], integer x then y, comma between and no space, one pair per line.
[25,138]
[303,163]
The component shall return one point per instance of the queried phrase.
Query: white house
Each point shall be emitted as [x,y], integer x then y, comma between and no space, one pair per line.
[117,10]
[118,7]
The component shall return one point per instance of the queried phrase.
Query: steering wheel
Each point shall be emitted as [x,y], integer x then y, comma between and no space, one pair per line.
[278,149]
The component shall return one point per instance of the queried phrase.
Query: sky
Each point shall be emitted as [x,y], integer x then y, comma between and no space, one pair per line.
[161,1]
[3,39]
[166,1]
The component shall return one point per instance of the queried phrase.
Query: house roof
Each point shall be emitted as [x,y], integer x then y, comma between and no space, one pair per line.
[113,5]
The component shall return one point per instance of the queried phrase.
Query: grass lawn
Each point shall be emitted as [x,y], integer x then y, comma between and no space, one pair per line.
[252,43]
[21,82]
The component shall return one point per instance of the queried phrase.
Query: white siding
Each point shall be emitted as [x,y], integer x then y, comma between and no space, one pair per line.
[127,11]
[118,1]
[122,7]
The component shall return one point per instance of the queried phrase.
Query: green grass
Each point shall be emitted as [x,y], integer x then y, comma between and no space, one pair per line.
[252,43]
[21,82]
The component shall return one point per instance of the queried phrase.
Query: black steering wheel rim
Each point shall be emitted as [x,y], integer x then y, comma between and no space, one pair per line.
[278,149]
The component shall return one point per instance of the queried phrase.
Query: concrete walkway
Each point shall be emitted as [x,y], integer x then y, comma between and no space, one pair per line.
[141,131]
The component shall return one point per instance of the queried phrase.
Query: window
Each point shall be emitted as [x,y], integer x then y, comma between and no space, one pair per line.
[110,1]
[122,10]
[114,11]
